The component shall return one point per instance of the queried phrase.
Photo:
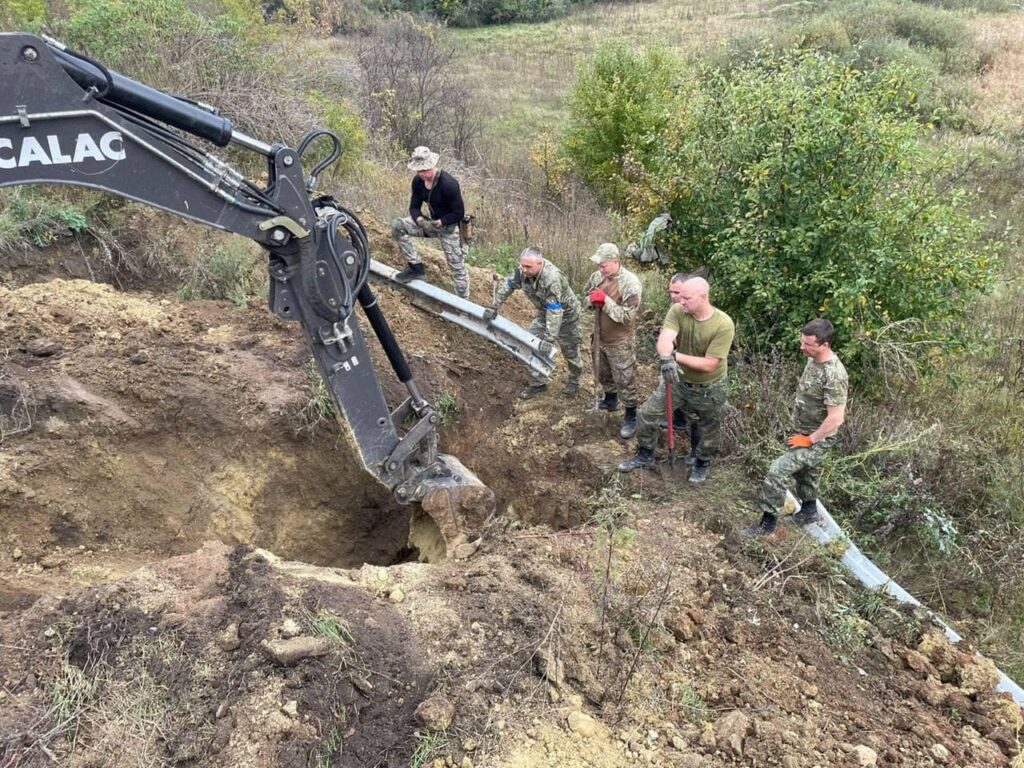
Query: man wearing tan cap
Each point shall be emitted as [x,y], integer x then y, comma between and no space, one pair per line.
[445,209]
[614,293]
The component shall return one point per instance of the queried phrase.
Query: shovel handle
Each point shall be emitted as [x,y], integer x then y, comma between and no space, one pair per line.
[669,416]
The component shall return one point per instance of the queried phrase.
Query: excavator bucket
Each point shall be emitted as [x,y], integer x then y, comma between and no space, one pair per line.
[453,507]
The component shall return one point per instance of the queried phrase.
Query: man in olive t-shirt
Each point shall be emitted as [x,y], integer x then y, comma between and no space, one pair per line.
[693,347]
[819,409]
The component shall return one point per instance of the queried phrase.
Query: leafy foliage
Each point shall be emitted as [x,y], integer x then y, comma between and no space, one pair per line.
[474,13]
[802,187]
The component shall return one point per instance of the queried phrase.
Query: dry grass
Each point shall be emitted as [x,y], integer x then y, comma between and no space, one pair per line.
[1000,104]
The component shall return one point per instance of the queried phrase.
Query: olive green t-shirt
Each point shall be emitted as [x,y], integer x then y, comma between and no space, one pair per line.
[702,338]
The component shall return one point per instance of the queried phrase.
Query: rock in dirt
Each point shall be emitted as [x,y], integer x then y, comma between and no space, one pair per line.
[42,347]
[865,756]
[291,708]
[583,724]
[295,649]
[939,753]
[228,640]
[549,666]
[290,628]
[52,561]
[730,730]
[436,713]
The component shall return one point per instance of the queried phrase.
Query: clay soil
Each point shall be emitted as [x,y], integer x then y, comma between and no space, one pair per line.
[195,571]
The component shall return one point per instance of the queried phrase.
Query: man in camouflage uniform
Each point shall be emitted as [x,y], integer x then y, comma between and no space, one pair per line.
[693,347]
[614,293]
[819,409]
[440,191]
[558,314]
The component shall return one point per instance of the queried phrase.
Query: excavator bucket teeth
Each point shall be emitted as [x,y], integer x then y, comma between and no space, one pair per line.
[453,506]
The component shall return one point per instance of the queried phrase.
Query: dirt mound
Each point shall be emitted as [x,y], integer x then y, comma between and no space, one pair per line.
[139,428]
[655,645]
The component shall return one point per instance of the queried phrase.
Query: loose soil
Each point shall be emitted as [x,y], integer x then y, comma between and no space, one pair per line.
[196,571]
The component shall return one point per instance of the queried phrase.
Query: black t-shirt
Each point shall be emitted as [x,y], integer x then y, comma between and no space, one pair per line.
[444,199]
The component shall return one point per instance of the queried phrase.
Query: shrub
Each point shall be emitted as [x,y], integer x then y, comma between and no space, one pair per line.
[803,188]
[410,92]
[620,107]
[30,217]
[229,272]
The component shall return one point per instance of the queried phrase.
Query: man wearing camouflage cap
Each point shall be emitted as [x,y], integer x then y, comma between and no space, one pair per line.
[614,293]
[558,314]
[440,191]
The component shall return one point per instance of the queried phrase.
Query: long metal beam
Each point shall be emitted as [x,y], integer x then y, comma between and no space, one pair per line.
[531,351]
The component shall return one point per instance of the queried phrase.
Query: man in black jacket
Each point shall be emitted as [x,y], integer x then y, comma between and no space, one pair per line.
[440,191]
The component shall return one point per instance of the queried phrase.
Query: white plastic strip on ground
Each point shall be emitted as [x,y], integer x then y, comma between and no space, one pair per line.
[872,577]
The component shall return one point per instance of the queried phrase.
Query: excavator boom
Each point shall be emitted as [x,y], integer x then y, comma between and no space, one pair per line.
[66,119]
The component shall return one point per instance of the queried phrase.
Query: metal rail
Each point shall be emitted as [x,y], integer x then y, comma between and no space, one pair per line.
[531,351]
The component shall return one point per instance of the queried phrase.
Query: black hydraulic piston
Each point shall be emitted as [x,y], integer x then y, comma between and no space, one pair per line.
[368,301]
[121,91]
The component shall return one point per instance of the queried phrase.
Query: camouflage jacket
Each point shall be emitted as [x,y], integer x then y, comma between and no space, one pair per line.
[549,292]
[618,316]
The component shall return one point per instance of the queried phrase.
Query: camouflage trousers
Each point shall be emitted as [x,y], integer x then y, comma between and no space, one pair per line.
[704,406]
[404,230]
[616,372]
[802,465]
[568,341]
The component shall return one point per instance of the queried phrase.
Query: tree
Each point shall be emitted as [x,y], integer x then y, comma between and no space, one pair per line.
[805,188]
[410,92]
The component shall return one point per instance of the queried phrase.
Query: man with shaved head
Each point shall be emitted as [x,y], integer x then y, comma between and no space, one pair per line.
[558,314]
[693,348]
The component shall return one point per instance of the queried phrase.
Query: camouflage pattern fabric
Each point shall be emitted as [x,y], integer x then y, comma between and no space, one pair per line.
[820,385]
[704,406]
[403,230]
[617,372]
[568,340]
[558,313]
[800,464]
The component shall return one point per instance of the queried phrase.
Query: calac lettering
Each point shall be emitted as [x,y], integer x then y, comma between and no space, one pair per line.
[50,151]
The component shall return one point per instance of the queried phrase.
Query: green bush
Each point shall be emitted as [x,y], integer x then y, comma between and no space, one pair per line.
[803,188]
[620,107]
[475,13]
[31,217]
[229,272]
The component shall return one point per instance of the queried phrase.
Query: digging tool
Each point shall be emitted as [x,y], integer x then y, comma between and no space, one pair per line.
[671,427]
[597,361]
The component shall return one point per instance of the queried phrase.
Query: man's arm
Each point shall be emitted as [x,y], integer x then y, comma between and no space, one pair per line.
[416,200]
[833,420]
[454,196]
[623,312]
[513,282]
[705,364]
[666,342]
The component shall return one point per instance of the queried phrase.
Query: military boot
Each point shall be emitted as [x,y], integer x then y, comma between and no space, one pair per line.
[572,386]
[807,514]
[644,458]
[691,457]
[764,527]
[628,423]
[610,402]
[413,272]
[532,391]
[699,473]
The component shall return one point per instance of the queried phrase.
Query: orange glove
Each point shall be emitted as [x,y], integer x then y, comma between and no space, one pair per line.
[799,441]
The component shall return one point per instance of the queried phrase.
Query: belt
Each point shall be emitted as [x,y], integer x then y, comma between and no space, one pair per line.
[700,386]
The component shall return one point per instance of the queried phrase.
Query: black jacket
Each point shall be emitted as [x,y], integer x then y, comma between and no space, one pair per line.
[444,199]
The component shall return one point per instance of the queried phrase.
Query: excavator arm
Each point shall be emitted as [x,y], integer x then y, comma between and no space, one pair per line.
[66,119]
